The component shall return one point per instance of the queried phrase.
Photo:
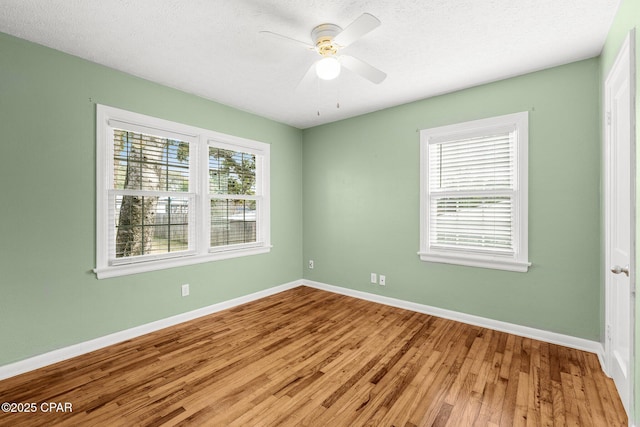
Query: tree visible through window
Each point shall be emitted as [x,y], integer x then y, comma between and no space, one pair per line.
[232,185]
[146,223]
[170,194]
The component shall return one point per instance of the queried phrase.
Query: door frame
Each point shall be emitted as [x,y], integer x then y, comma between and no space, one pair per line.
[627,49]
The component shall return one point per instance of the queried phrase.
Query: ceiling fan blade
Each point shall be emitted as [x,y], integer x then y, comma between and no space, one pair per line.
[358,28]
[308,77]
[282,37]
[363,69]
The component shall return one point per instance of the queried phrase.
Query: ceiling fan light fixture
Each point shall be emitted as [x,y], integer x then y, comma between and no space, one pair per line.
[328,68]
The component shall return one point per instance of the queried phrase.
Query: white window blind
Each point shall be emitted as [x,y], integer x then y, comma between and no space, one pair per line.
[235,199]
[474,197]
[471,186]
[150,206]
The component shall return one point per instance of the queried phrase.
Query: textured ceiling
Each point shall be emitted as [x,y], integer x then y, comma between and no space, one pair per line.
[213,48]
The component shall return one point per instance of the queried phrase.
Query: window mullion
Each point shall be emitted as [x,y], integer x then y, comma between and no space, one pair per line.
[150,193]
[234,197]
[203,225]
[472,193]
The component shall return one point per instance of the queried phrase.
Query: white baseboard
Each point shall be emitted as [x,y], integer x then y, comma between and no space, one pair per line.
[524,331]
[42,360]
[59,355]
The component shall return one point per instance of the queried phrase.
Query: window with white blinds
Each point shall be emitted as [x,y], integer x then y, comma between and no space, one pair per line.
[474,193]
[149,200]
[169,194]
[235,199]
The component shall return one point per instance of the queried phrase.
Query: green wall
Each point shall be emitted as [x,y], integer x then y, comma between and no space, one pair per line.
[49,297]
[627,18]
[361,197]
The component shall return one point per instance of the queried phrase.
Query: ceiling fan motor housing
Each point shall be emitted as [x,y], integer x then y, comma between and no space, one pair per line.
[323,35]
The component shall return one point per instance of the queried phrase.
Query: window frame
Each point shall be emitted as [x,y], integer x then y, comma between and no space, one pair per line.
[108,118]
[518,261]
[261,233]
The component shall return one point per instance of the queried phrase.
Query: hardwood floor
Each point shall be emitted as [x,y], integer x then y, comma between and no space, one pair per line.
[309,357]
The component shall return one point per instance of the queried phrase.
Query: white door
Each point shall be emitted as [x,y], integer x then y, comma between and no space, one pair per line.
[619,219]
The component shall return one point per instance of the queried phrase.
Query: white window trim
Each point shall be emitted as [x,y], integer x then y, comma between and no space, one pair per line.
[262,173]
[519,261]
[200,139]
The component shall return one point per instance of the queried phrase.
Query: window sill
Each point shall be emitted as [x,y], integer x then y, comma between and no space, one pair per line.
[495,263]
[147,266]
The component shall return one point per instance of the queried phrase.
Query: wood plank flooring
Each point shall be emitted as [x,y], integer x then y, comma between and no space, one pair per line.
[306,357]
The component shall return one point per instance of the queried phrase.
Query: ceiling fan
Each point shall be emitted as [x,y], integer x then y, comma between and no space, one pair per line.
[328,40]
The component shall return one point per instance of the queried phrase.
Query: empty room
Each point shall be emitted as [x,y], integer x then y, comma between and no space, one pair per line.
[261,213]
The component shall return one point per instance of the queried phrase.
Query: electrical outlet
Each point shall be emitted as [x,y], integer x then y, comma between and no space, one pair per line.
[383,280]
[185,290]
[310,264]
[374,278]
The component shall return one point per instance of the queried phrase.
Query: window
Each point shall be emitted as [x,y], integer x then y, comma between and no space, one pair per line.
[171,194]
[474,207]
[233,198]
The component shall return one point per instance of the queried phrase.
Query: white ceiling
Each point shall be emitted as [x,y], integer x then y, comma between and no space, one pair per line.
[212,48]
